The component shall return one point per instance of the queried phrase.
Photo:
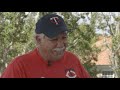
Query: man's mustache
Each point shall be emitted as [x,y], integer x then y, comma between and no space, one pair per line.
[59,49]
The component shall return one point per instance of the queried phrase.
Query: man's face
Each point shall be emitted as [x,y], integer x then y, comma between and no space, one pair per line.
[54,48]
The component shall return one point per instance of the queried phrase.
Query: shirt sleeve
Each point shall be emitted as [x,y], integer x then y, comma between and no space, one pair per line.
[83,72]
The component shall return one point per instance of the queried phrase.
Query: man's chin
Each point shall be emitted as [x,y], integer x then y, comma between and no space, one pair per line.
[58,57]
[56,53]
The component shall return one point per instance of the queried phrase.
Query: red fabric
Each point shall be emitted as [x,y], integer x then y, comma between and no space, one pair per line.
[32,65]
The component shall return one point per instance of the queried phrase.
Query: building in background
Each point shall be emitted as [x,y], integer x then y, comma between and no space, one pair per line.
[104,64]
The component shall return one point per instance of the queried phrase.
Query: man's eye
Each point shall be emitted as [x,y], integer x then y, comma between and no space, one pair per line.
[64,37]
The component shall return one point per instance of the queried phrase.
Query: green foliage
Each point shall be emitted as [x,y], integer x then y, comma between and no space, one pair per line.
[81,40]
[111,21]
[116,51]
[16,36]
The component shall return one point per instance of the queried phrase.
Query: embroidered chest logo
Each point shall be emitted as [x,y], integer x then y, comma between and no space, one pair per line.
[55,20]
[70,73]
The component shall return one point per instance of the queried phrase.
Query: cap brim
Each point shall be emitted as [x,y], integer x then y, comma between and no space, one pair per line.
[55,33]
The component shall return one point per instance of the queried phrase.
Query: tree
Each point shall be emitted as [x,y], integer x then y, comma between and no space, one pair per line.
[15,35]
[110,22]
[79,42]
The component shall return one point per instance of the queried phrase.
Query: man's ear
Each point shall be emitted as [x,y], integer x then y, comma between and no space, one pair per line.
[38,39]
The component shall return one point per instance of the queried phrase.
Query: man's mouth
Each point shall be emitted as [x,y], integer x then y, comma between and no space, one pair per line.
[59,51]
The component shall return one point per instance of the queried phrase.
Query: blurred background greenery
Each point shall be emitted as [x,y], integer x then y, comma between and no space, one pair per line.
[17,31]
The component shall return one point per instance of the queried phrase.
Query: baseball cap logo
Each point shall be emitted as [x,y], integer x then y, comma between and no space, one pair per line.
[55,20]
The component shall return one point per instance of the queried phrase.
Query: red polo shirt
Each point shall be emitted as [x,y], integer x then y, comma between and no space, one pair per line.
[32,65]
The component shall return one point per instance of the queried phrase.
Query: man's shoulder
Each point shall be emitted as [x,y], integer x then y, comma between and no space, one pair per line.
[71,55]
[24,57]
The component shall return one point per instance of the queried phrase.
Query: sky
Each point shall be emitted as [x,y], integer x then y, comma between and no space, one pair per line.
[99,31]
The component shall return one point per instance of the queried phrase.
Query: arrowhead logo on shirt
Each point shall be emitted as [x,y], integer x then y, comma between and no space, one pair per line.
[70,73]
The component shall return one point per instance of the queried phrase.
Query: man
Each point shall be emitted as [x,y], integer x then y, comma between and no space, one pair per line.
[49,59]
